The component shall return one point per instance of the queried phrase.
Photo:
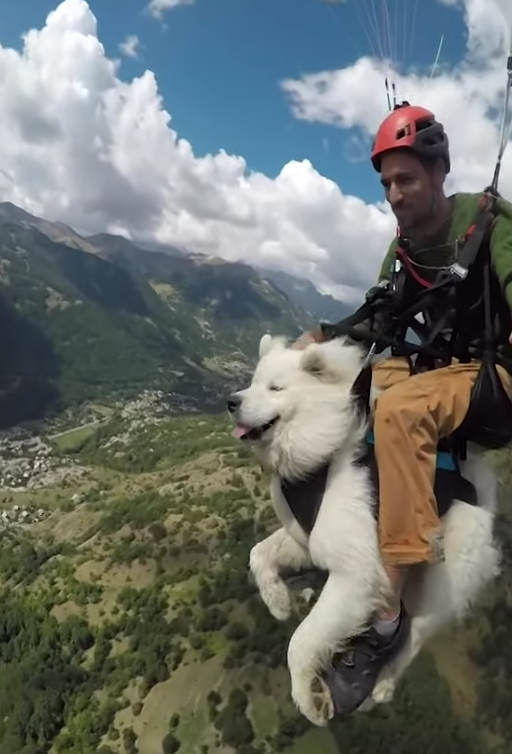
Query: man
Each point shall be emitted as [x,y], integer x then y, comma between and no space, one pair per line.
[411,153]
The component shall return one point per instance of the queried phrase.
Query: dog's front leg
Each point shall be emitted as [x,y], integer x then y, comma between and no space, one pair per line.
[267,558]
[339,614]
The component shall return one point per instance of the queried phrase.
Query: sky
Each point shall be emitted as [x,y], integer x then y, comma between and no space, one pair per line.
[241,128]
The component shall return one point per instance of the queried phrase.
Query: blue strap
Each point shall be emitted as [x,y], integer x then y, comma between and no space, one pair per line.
[444,460]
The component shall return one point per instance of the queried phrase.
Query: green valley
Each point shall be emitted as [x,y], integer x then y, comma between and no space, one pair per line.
[129,623]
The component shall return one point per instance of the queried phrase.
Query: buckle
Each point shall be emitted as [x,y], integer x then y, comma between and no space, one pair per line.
[458,271]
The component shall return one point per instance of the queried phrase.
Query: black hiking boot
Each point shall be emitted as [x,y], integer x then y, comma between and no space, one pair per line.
[353,674]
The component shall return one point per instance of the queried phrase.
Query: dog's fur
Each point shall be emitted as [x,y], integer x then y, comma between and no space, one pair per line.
[309,391]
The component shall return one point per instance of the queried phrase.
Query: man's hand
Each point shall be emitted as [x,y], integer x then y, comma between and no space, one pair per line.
[510,338]
[312,336]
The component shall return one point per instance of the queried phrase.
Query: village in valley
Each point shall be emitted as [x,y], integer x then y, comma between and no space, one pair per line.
[32,461]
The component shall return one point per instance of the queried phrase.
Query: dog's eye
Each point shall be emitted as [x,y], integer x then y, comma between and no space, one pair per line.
[275,388]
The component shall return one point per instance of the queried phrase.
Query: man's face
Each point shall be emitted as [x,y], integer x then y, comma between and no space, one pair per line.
[409,188]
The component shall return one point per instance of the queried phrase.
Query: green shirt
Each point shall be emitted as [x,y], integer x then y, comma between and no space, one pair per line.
[441,251]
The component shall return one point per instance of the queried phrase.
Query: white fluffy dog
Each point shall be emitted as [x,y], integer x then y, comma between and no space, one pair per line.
[298,413]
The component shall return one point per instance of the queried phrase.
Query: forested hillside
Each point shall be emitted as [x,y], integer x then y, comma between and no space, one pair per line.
[129,623]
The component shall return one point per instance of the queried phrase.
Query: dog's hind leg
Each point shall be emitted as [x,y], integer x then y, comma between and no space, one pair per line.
[340,613]
[277,552]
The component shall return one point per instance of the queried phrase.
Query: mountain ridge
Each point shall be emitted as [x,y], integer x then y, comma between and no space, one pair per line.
[104,316]
[300,290]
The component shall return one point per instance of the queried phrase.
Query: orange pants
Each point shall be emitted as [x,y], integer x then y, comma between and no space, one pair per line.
[410,417]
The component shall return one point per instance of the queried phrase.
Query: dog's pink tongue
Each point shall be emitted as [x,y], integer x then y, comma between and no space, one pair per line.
[240,430]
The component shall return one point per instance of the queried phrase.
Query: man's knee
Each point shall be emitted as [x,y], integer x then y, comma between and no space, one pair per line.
[396,406]
[389,372]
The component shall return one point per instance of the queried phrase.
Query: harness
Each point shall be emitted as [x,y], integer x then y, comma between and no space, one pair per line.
[467,303]
[304,496]
[468,299]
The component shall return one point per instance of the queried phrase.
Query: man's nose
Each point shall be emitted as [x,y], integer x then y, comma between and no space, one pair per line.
[395,196]
[234,402]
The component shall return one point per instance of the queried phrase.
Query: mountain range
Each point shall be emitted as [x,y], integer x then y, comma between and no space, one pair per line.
[87,317]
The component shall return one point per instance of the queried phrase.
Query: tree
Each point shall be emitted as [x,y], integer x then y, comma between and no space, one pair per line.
[170,744]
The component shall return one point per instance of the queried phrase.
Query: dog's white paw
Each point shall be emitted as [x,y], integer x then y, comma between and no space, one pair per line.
[384,691]
[313,700]
[273,591]
[276,597]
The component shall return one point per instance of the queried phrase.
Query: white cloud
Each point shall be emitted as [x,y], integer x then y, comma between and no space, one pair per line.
[467,98]
[130,46]
[158,7]
[80,145]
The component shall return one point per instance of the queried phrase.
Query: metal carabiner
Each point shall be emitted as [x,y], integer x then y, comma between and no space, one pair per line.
[370,355]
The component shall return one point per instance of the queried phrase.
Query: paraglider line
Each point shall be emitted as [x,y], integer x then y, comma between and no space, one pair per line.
[350,37]
[413,25]
[436,61]
[506,125]
[386,83]
[387,30]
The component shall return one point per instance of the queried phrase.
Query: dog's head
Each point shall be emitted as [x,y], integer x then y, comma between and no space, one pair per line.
[299,404]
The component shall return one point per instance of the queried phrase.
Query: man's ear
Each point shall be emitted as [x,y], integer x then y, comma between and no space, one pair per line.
[313,360]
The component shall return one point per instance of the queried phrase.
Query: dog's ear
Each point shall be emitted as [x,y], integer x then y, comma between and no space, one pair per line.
[313,360]
[269,343]
[332,362]
[266,344]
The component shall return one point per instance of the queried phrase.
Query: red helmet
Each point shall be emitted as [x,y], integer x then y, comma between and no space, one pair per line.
[414,128]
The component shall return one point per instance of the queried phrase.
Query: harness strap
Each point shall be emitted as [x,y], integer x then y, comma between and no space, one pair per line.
[347,326]
[388,314]
[361,389]
[473,239]
[395,318]
[488,421]
[474,236]
[432,343]
[304,496]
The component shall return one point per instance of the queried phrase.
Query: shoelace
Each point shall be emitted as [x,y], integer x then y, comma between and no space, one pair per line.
[368,638]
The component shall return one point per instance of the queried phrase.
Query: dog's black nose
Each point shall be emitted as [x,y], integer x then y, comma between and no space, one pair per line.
[234,402]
